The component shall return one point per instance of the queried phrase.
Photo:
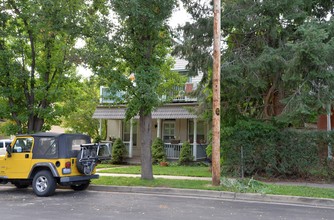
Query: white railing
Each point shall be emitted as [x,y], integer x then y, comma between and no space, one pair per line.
[173,150]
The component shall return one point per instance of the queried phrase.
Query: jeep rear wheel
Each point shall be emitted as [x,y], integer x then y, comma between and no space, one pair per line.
[44,184]
[80,187]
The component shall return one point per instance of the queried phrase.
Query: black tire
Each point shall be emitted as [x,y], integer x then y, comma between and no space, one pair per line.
[21,185]
[80,187]
[44,184]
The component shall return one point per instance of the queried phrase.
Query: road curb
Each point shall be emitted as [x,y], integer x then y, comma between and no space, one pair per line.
[323,202]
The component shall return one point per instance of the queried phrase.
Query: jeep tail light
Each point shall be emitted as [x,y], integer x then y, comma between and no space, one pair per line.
[67,169]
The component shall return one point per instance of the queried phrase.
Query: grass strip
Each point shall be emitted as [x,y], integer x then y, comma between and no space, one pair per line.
[262,188]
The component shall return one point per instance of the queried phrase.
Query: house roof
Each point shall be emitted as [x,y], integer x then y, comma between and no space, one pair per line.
[163,112]
[180,64]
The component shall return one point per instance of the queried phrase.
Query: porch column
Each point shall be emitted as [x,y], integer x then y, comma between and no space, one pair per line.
[120,129]
[131,139]
[100,127]
[158,128]
[195,140]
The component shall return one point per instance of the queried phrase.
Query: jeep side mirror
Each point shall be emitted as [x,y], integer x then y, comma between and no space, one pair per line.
[9,151]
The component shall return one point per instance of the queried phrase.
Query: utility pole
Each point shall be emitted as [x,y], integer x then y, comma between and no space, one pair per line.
[216,95]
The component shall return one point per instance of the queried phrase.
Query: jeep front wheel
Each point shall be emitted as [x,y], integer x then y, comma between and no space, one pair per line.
[80,187]
[44,184]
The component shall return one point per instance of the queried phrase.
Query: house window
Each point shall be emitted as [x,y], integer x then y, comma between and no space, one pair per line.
[126,132]
[168,130]
[201,131]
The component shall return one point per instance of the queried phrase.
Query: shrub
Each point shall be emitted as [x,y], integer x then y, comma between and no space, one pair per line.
[97,139]
[118,151]
[185,154]
[158,151]
[260,148]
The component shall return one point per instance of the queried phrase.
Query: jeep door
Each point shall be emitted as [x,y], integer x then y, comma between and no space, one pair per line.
[18,164]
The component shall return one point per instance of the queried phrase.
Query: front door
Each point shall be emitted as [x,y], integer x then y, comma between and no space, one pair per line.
[168,131]
[18,164]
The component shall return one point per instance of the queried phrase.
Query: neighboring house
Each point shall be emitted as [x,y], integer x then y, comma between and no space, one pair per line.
[326,123]
[174,122]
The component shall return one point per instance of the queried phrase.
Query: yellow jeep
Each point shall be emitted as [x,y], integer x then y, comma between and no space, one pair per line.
[44,160]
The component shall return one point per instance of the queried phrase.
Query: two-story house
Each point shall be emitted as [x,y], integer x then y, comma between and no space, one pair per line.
[174,122]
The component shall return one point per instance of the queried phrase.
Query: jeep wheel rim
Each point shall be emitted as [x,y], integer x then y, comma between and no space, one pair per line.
[42,183]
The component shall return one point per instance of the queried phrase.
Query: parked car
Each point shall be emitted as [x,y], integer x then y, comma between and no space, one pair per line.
[4,143]
[44,160]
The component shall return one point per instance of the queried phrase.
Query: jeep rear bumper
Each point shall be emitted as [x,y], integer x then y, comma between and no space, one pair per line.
[70,179]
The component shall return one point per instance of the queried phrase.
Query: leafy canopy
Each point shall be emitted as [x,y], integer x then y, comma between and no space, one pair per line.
[276,60]
[38,58]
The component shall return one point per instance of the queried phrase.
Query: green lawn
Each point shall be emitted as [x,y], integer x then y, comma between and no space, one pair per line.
[247,185]
[262,188]
[198,171]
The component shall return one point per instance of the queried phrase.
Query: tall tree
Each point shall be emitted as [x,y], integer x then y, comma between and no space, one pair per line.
[82,106]
[132,57]
[37,57]
[271,64]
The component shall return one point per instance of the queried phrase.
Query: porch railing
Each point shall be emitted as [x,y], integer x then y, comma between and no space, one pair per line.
[173,151]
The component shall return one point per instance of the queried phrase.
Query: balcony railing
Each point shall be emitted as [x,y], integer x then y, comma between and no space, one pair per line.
[178,94]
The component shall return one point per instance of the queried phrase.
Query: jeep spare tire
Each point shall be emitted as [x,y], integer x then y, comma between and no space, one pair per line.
[80,166]
[87,162]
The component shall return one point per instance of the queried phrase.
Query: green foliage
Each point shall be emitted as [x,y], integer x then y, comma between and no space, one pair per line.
[244,185]
[82,106]
[131,57]
[38,59]
[158,151]
[259,148]
[97,139]
[118,151]
[278,57]
[185,155]
[137,48]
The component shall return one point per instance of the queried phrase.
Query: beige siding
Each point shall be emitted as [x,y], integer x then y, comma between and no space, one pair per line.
[183,129]
[114,129]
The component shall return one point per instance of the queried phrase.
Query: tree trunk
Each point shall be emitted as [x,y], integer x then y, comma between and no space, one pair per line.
[146,142]
[35,124]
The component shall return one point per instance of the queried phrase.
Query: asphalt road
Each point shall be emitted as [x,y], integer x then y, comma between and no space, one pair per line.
[67,204]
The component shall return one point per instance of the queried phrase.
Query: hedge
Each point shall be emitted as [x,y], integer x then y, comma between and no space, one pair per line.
[260,148]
